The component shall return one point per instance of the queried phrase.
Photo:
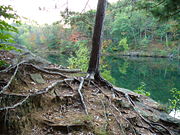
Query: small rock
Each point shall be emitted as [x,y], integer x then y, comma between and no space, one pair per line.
[37,78]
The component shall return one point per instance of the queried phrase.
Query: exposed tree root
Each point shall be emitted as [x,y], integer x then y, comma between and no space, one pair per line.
[6,70]
[113,106]
[39,92]
[45,71]
[62,70]
[81,96]
[102,91]
[152,124]
[11,79]
[29,64]
[15,105]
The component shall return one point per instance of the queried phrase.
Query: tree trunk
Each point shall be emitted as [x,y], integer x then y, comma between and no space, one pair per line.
[97,39]
[166,40]
[145,34]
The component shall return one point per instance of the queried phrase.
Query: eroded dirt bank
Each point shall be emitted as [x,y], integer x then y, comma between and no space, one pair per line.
[38,98]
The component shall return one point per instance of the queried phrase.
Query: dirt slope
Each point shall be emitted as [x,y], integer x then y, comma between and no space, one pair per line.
[46,99]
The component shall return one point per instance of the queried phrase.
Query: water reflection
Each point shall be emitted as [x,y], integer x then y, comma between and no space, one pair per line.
[159,75]
[58,59]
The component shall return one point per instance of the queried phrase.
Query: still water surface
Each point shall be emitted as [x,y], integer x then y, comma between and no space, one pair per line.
[159,74]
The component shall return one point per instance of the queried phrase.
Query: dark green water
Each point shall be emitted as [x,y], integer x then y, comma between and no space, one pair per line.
[159,74]
[58,59]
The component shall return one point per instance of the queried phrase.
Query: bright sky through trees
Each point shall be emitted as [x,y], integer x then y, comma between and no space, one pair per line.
[48,11]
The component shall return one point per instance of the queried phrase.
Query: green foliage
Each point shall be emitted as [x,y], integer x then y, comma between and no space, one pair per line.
[123,67]
[139,27]
[68,47]
[80,60]
[144,42]
[7,13]
[163,53]
[163,9]
[107,75]
[8,47]
[81,22]
[123,44]
[121,27]
[175,101]
[142,90]
[125,29]
[3,63]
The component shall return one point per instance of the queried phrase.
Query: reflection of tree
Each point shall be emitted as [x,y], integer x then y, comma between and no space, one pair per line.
[107,75]
[129,73]
[179,67]
[57,59]
[106,70]
[123,67]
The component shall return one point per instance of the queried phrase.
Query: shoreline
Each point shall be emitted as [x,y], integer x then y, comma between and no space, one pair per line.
[144,54]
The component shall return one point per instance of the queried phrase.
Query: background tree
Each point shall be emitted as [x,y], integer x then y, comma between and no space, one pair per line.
[7,13]
[163,9]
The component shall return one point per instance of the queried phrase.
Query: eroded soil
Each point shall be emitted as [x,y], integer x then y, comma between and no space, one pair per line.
[46,101]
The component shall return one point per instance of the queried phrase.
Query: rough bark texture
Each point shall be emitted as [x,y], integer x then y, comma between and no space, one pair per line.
[97,36]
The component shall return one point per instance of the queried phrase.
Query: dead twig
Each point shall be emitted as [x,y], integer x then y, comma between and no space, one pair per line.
[11,79]
[80,94]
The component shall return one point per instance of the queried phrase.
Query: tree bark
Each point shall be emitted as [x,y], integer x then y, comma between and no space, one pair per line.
[97,38]
[166,40]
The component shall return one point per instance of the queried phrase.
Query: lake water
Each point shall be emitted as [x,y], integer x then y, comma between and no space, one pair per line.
[159,74]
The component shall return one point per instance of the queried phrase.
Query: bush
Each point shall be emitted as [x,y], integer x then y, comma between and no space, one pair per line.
[80,60]
[107,75]
[123,44]
[142,90]
[144,42]
[175,101]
